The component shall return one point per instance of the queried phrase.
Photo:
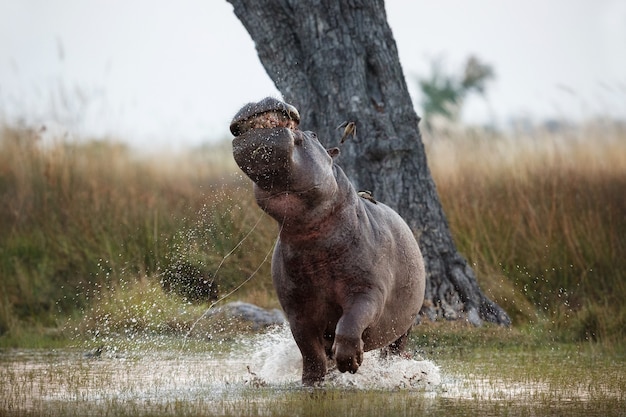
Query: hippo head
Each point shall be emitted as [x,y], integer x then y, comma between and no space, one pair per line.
[278,157]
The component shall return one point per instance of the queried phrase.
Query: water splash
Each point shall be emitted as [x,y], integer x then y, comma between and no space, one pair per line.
[275,359]
[238,286]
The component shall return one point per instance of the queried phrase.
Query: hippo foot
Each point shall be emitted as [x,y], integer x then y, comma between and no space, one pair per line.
[397,348]
[312,381]
[313,372]
[348,352]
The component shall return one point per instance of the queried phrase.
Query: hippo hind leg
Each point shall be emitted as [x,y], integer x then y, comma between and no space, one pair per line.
[397,347]
[329,338]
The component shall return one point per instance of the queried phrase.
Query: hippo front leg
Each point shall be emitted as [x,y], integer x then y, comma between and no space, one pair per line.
[311,347]
[348,353]
[348,346]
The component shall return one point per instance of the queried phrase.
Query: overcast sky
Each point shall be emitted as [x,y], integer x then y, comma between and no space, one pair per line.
[174,72]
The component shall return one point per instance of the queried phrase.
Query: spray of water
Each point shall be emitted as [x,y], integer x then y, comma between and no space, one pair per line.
[238,286]
[274,359]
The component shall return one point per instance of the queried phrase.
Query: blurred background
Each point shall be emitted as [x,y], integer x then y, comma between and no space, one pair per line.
[122,211]
[174,73]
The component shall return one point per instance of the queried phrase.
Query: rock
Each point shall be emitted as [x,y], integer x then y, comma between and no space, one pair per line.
[257,316]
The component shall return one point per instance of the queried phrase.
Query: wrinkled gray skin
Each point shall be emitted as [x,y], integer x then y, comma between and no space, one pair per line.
[348,272]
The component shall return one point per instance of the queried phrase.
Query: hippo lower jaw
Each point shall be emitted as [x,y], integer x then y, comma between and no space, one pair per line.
[265,155]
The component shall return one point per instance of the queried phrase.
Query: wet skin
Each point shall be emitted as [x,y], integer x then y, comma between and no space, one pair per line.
[347,271]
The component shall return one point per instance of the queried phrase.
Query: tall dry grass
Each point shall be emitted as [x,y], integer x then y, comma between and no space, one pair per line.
[541,216]
[79,219]
[545,212]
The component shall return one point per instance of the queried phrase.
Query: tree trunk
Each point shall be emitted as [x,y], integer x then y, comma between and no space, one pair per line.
[337,61]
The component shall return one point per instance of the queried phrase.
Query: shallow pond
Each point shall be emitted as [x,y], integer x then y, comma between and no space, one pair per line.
[260,377]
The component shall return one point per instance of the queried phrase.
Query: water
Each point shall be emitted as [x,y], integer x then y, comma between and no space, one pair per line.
[36,381]
[261,377]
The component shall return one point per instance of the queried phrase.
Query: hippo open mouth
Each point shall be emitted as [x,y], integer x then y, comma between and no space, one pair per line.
[266,114]
[265,136]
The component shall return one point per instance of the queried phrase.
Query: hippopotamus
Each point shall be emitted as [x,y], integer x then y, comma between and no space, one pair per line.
[347,270]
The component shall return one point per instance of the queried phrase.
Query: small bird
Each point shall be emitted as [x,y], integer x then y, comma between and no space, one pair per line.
[349,129]
[368,196]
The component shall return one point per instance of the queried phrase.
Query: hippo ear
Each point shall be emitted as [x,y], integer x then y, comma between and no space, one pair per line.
[333,152]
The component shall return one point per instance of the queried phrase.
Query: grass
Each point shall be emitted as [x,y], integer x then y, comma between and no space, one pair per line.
[90,229]
[79,220]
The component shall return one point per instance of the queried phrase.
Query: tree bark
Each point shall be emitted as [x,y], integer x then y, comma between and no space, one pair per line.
[337,61]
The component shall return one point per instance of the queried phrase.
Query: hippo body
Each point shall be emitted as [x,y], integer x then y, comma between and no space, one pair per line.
[347,271]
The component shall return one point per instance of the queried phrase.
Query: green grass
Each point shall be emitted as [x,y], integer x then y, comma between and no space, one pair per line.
[89,229]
